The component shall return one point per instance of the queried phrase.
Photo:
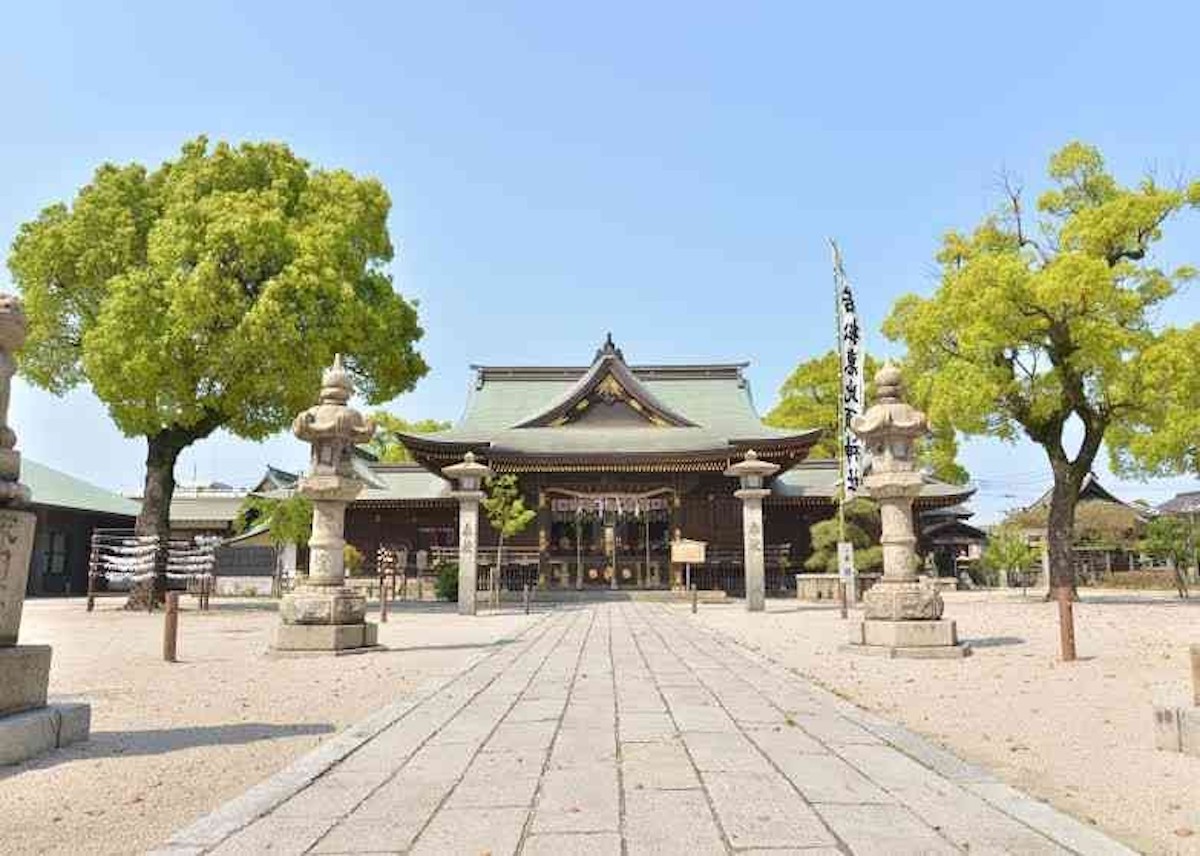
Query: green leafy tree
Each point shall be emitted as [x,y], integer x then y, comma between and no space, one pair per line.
[445,584]
[809,399]
[288,521]
[508,515]
[208,294]
[1172,540]
[1007,552]
[386,446]
[1162,437]
[1037,326]
[862,530]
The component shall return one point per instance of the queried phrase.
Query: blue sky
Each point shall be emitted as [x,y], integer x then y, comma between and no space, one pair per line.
[668,172]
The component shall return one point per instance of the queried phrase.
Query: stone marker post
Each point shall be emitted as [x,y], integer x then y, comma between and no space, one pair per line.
[903,616]
[28,726]
[467,477]
[751,474]
[323,614]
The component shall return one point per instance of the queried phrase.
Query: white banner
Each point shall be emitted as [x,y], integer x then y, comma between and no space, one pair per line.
[845,561]
[853,387]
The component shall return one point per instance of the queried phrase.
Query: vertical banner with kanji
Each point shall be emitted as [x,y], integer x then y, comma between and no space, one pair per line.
[852,386]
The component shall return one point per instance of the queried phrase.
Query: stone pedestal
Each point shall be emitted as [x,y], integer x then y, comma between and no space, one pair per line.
[752,539]
[468,539]
[16,548]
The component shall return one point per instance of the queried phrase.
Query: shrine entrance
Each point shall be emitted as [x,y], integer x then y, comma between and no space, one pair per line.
[609,540]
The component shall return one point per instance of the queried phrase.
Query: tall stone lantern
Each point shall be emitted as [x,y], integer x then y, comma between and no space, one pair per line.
[903,616]
[752,474]
[322,614]
[28,725]
[467,477]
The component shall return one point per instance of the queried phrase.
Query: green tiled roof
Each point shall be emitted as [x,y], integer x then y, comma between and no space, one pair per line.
[716,399]
[53,488]
[818,479]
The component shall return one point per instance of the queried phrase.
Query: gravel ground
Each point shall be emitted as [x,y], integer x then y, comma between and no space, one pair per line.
[171,742]
[1077,735]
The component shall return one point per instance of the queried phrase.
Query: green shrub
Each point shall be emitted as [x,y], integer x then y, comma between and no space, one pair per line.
[446,584]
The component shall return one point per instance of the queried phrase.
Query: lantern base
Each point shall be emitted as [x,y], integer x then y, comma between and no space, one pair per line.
[931,640]
[325,638]
[902,601]
[321,605]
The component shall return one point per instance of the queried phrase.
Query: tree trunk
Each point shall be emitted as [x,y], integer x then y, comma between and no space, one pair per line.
[155,518]
[1060,538]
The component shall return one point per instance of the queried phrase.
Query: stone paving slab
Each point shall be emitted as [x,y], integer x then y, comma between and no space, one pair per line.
[625,728]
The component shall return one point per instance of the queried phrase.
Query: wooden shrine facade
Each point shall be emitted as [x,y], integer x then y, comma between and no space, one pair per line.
[617,460]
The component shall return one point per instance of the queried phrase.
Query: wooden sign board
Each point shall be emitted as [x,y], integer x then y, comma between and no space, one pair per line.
[687,551]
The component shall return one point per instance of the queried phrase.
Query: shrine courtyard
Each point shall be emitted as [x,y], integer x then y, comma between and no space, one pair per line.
[590,727]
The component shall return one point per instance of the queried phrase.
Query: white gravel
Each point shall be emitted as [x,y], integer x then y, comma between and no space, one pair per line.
[1078,735]
[171,742]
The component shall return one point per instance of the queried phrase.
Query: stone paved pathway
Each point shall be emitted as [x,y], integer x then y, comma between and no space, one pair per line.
[623,728]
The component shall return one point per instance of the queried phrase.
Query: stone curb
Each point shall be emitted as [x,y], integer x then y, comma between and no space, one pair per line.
[212,829]
[30,733]
[1039,816]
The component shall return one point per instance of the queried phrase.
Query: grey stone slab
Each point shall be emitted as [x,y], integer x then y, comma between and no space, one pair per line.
[584,746]
[522,737]
[372,835]
[573,844]
[642,727]
[758,810]
[438,762]
[275,834]
[783,739]
[24,673]
[494,831]
[537,709]
[331,796]
[702,718]
[888,830]
[27,734]
[963,817]
[829,779]
[834,729]
[578,799]
[1052,823]
[661,766]
[938,759]
[691,696]
[74,722]
[727,752]
[659,822]
[497,779]
[404,800]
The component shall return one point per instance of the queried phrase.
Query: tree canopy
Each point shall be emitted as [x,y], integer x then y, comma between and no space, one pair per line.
[386,446]
[210,293]
[289,521]
[809,399]
[1038,325]
[862,530]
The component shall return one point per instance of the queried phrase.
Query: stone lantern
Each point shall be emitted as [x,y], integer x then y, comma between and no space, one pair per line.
[323,614]
[28,725]
[903,616]
[752,474]
[467,477]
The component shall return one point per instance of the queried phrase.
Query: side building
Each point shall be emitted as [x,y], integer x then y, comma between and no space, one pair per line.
[68,510]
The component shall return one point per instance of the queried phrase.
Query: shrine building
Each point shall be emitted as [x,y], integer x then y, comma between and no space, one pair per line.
[617,460]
